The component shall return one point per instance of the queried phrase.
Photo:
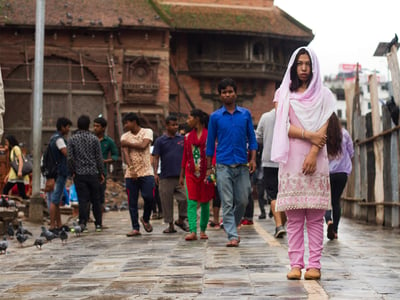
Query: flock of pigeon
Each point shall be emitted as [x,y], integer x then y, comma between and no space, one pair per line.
[21,234]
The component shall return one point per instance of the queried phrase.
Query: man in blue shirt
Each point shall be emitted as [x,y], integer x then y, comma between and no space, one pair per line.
[168,148]
[232,127]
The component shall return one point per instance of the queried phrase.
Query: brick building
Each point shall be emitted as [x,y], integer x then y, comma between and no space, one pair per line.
[153,57]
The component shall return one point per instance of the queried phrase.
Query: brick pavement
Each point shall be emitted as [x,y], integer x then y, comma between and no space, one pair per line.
[363,264]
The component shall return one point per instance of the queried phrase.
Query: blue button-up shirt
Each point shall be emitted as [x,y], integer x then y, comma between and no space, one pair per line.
[234,133]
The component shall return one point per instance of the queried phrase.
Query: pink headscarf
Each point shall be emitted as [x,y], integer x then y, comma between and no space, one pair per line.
[313,107]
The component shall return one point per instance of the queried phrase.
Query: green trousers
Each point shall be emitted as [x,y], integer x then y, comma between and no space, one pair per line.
[192,215]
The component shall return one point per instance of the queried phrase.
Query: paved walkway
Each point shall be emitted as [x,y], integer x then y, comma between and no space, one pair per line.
[363,264]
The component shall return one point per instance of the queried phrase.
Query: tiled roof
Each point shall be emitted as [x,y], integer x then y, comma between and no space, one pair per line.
[82,13]
[271,21]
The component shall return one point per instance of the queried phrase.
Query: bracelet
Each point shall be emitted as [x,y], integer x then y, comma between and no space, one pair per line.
[302,134]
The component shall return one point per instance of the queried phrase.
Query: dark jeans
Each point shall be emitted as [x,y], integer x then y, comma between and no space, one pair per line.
[260,194]
[88,191]
[20,186]
[338,182]
[145,185]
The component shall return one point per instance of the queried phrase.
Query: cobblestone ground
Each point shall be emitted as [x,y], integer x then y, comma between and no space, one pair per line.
[363,263]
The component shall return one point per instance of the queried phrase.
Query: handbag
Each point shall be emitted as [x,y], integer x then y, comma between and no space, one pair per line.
[26,165]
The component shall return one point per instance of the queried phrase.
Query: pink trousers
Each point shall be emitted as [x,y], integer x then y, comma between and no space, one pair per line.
[314,220]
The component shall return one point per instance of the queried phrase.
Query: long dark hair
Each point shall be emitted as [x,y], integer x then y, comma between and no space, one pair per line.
[334,136]
[203,117]
[12,141]
[295,81]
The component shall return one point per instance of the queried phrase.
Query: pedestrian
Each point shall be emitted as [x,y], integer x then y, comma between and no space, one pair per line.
[13,177]
[85,163]
[168,149]
[109,152]
[200,190]
[264,134]
[157,212]
[232,126]
[259,181]
[340,152]
[58,148]
[249,211]
[216,205]
[304,106]
[139,175]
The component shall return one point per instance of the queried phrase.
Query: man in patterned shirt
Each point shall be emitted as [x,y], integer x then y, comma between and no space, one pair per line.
[139,174]
[85,163]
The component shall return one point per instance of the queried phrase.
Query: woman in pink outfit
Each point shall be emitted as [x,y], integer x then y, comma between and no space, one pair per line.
[303,106]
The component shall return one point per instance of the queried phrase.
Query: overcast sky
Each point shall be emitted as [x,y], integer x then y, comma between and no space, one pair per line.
[347,31]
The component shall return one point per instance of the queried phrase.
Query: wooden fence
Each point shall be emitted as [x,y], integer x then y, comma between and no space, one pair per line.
[372,192]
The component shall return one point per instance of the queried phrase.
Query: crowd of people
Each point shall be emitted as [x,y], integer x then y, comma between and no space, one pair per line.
[299,156]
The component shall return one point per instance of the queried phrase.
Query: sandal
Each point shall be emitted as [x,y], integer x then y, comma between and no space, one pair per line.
[182,225]
[233,243]
[146,226]
[191,237]
[203,236]
[169,230]
[134,232]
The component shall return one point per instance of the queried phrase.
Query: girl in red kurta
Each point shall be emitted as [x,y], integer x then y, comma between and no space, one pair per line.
[193,170]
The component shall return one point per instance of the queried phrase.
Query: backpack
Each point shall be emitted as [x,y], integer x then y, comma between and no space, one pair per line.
[49,165]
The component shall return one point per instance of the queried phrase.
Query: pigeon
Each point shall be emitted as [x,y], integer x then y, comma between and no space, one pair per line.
[48,234]
[10,231]
[77,229]
[11,203]
[124,206]
[3,245]
[39,243]
[63,236]
[22,230]
[66,228]
[21,238]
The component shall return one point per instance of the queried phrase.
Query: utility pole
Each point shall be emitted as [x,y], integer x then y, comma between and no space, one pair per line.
[36,202]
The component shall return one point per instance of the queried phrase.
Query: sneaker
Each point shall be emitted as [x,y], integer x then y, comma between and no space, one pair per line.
[279,232]
[262,216]
[83,228]
[246,222]
[99,228]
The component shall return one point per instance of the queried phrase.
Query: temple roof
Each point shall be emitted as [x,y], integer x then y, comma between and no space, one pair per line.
[82,13]
[264,21]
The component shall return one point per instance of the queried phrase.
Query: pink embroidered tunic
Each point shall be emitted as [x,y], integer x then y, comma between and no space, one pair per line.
[299,191]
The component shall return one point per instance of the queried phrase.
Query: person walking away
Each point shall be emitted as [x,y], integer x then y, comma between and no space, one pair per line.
[109,152]
[304,106]
[259,181]
[85,163]
[168,149]
[15,178]
[139,174]
[264,135]
[232,126]
[157,212]
[58,148]
[200,191]
[340,152]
